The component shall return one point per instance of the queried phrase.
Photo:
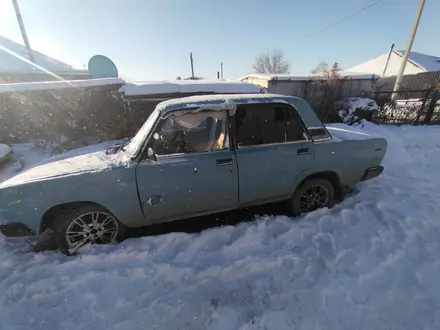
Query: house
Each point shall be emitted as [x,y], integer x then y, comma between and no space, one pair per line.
[16,67]
[417,63]
[308,87]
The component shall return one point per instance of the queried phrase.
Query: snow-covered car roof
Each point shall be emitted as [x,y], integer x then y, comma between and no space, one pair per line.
[213,100]
[42,85]
[188,87]
[220,102]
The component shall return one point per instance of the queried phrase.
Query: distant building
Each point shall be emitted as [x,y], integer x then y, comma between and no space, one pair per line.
[417,63]
[307,87]
[16,67]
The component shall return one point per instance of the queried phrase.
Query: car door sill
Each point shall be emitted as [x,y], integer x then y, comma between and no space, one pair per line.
[192,215]
[264,201]
[209,212]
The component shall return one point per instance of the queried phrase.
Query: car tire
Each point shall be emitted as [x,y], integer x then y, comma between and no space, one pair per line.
[83,224]
[311,195]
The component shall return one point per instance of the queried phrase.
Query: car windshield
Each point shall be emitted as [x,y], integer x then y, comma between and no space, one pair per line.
[135,144]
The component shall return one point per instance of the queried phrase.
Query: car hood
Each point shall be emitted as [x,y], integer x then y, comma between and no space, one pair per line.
[75,162]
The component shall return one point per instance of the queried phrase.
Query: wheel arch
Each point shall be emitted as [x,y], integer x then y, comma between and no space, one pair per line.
[48,217]
[332,176]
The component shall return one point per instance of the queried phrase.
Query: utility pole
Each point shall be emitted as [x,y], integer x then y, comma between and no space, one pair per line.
[388,60]
[407,50]
[192,64]
[23,31]
[221,70]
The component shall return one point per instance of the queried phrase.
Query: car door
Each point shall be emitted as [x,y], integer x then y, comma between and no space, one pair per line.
[195,171]
[272,150]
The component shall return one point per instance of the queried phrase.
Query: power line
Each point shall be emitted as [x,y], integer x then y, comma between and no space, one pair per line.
[346,18]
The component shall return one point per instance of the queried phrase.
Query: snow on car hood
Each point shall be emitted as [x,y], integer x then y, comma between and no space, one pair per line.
[75,162]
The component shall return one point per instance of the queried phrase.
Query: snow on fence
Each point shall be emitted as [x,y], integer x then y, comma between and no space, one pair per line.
[411,107]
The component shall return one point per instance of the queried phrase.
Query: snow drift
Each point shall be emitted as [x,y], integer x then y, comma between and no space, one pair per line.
[354,109]
[370,262]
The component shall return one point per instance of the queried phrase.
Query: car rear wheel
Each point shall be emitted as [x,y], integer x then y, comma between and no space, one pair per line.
[80,225]
[311,195]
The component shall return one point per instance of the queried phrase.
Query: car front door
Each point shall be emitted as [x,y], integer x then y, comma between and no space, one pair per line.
[272,150]
[195,171]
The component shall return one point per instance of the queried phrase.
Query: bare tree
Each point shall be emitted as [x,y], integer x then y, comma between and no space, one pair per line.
[271,62]
[331,74]
[329,82]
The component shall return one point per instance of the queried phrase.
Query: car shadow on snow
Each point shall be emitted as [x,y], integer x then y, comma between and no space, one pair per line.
[231,218]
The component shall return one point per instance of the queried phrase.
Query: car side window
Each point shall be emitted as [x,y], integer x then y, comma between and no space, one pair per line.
[267,123]
[294,128]
[191,132]
[258,124]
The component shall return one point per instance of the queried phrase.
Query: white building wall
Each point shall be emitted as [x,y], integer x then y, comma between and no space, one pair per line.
[376,66]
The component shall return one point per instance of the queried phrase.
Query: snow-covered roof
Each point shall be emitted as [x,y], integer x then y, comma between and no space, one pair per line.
[288,77]
[19,87]
[14,58]
[424,61]
[188,86]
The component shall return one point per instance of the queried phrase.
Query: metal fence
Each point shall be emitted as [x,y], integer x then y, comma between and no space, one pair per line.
[411,82]
[411,107]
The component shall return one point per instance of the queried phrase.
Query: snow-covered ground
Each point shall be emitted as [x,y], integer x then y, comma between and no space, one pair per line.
[371,262]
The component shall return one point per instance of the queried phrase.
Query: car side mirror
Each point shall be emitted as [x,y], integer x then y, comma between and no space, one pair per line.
[151,154]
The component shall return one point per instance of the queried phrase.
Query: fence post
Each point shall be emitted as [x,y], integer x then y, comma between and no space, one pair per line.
[423,105]
[431,106]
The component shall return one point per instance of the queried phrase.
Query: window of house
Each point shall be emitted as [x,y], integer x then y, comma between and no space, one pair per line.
[258,124]
[191,132]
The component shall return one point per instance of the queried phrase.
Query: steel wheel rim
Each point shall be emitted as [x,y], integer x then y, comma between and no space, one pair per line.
[91,228]
[314,198]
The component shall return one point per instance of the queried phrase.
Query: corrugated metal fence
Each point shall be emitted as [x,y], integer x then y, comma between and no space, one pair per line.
[410,83]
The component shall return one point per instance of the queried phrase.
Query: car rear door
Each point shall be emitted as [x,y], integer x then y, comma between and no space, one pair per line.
[272,150]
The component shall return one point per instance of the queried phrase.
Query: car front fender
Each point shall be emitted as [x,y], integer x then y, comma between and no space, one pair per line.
[113,189]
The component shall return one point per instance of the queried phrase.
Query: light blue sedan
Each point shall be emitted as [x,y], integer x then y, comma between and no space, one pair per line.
[193,156]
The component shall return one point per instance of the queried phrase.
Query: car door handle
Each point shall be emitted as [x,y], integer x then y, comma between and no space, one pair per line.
[303,151]
[224,162]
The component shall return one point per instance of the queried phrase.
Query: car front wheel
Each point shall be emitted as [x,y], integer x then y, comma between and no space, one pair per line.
[80,225]
[311,195]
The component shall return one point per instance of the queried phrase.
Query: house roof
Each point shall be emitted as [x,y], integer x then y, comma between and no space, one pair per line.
[423,61]
[42,85]
[288,77]
[14,58]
